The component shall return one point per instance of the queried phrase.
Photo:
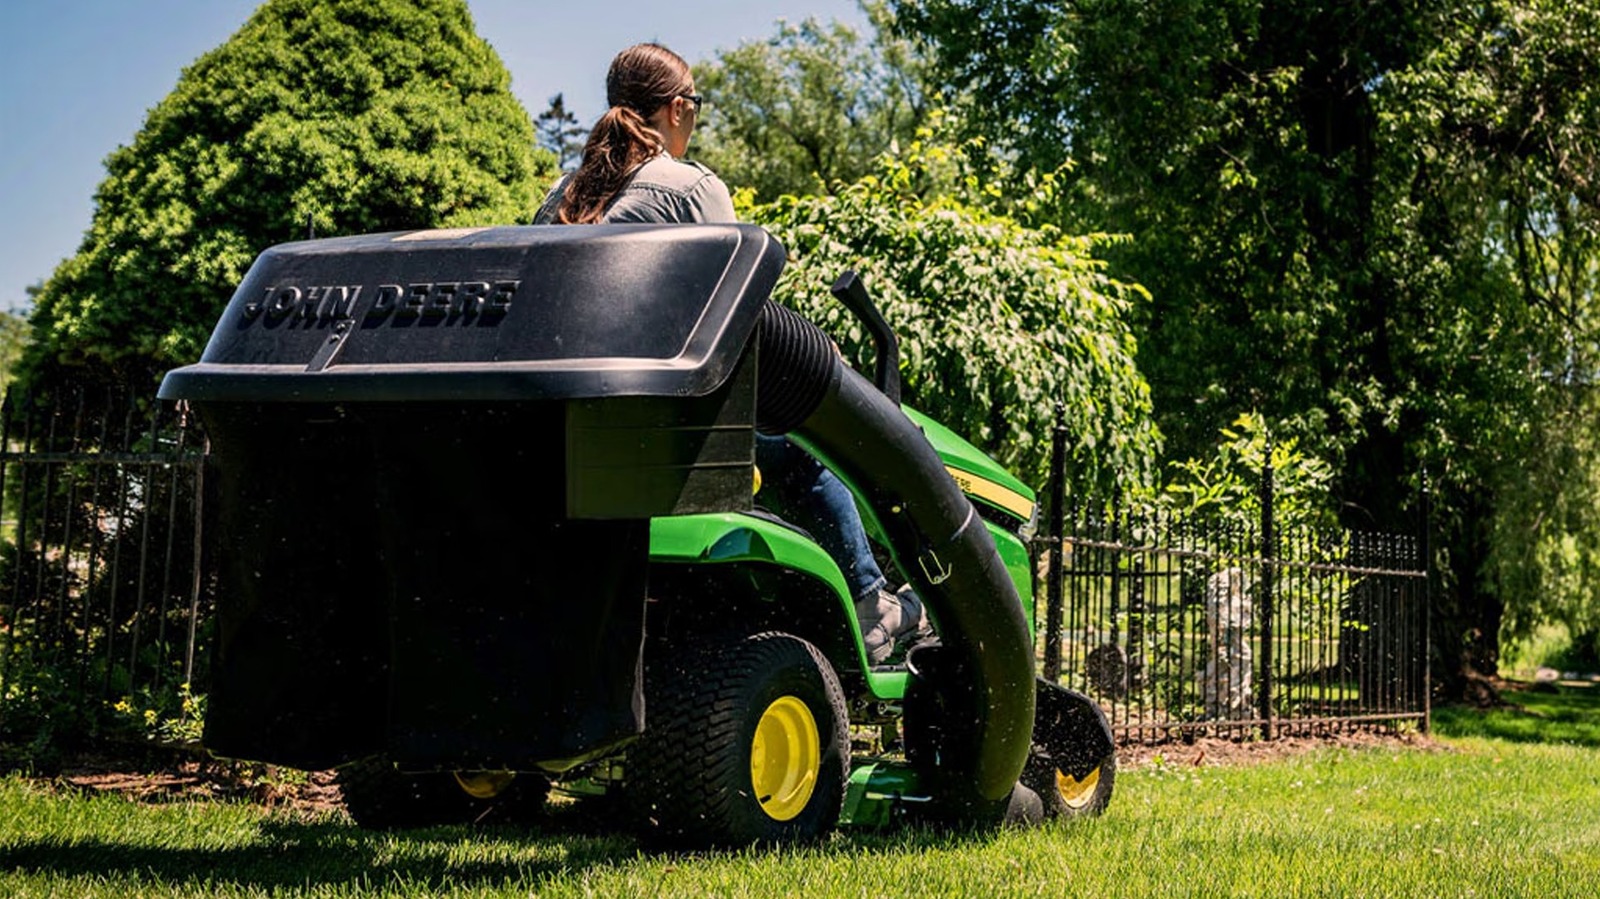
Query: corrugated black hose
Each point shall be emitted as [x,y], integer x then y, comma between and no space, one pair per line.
[984,675]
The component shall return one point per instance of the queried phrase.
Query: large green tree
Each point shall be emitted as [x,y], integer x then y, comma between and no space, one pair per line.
[343,116]
[1374,222]
[810,108]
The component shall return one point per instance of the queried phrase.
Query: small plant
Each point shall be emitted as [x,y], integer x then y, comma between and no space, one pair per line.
[42,709]
[174,717]
[1229,482]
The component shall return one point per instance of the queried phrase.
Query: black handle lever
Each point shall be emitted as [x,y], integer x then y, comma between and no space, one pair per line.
[886,347]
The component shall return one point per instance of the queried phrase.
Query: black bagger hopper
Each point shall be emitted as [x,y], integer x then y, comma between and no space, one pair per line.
[436,455]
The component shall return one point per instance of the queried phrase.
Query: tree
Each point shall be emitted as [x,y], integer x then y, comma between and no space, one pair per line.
[997,321]
[560,133]
[350,115]
[14,336]
[13,340]
[811,107]
[1373,222]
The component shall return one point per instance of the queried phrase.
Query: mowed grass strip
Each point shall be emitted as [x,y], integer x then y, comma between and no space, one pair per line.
[1508,804]
[1479,817]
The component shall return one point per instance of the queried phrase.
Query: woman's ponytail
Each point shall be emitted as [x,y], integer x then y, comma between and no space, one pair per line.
[641,80]
[619,144]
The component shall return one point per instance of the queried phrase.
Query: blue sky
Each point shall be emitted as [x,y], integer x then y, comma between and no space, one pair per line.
[78,76]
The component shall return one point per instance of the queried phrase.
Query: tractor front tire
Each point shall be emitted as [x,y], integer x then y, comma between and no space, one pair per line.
[1072,764]
[1065,796]
[746,741]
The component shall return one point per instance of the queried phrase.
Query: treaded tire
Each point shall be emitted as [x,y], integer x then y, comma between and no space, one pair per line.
[380,797]
[1069,732]
[690,778]
[1066,799]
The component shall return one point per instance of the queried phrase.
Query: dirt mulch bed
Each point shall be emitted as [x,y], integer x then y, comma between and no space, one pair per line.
[1212,751]
[315,793]
[301,792]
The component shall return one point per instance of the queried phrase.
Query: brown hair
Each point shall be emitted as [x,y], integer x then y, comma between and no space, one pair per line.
[642,79]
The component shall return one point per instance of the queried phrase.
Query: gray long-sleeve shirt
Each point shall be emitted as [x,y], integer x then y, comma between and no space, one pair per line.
[662,190]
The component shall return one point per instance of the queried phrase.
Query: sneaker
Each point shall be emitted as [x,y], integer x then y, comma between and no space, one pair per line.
[881,617]
[914,624]
[915,628]
[891,618]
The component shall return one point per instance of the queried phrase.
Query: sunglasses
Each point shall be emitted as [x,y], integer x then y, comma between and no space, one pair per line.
[696,99]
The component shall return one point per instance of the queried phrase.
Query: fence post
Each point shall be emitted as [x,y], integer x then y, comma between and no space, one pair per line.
[1425,547]
[1053,605]
[1268,573]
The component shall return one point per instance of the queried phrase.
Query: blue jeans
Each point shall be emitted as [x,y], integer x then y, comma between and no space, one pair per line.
[797,488]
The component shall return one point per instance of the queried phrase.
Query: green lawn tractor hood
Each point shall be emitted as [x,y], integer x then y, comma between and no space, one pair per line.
[978,476]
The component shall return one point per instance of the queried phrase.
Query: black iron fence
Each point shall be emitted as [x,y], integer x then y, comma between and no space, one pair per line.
[101,600]
[1183,623]
[1177,623]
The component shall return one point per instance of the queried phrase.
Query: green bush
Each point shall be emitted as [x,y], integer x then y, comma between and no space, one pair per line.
[997,321]
[1550,646]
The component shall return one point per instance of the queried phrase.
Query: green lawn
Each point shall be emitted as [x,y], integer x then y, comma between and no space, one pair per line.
[1565,715]
[1479,816]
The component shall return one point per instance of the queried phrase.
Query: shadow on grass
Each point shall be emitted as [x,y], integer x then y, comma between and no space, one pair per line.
[296,855]
[1554,714]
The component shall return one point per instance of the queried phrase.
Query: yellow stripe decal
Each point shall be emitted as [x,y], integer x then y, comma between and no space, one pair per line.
[993,493]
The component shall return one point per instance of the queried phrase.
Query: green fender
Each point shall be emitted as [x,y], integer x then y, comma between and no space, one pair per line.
[734,538]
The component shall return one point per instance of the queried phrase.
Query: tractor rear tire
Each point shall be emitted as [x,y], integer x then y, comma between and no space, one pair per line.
[380,797]
[746,741]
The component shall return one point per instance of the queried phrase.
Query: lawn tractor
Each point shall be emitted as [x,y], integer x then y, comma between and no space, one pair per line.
[482,524]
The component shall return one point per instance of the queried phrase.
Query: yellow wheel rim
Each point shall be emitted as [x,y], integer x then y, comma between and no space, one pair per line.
[484,784]
[1074,792]
[785,758]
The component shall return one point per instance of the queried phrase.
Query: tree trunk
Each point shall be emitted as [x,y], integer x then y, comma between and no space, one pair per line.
[1466,613]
